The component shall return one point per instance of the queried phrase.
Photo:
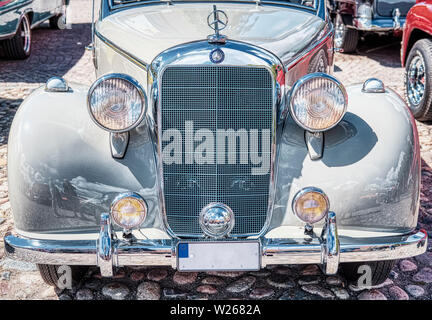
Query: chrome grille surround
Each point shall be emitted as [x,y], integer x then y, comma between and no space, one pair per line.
[237,55]
[215,97]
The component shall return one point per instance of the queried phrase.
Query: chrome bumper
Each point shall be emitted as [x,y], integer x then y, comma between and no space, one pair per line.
[328,249]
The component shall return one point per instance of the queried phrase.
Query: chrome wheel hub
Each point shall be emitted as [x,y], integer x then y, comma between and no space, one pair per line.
[416,80]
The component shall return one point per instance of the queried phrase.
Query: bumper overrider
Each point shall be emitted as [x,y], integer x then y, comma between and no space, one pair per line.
[108,251]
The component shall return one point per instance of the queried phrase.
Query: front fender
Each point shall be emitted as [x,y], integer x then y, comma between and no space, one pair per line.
[60,169]
[370,167]
[62,175]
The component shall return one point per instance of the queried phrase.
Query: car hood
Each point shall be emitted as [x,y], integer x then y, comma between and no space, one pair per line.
[146,31]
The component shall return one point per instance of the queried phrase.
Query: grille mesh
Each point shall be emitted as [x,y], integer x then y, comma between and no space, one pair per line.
[216,97]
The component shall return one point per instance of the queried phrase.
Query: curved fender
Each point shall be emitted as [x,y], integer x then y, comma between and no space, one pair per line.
[60,169]
[370,167]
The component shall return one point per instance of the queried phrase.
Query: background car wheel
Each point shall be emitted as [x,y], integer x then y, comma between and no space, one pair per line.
[19,47]
[380,270]
[50,274]
[58,22]
[318,63]
[418,80]
[345,38]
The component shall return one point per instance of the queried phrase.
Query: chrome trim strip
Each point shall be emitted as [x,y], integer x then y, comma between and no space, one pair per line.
[303,80]
[105,247]
[162,252]
[301,193]
[315,46]
[378,25]
[330,245]
[122,52]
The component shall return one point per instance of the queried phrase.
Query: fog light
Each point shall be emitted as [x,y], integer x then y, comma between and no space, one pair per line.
[216,220]
[128,210]
[310,205]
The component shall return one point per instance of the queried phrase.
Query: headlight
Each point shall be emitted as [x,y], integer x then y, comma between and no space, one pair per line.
[318,102]
[310,205]
[128,210]
[116,102]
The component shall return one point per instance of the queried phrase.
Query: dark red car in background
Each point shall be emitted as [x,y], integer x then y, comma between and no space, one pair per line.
[416,56]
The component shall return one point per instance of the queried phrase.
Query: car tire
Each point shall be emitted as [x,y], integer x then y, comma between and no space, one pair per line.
[345,38]
[50,274]
[19,47]
[318,63]
[380,270]
[418,80]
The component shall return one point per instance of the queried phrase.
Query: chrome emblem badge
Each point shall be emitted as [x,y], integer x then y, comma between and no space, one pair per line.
[217,20]
[217,55]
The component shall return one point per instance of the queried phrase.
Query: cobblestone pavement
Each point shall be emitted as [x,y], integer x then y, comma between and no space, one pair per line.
[62,53]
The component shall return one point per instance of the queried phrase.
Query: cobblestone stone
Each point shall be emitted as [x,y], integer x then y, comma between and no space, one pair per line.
[407,266]
[82,294]
[207,289]
[414,290]
[340,293]
[261,293]
[318,290]
[425,275]
[213,281]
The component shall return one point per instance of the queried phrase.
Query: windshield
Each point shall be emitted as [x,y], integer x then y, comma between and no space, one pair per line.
[305,3]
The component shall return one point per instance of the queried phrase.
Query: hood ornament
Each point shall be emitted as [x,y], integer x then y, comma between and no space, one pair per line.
[217,20]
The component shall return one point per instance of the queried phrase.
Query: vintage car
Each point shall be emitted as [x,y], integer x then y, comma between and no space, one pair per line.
[214,138]
[416,57]
[351,18]
[18,17]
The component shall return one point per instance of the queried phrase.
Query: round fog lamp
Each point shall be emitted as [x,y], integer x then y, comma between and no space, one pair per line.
[310,205]
[318,102]
[128,210]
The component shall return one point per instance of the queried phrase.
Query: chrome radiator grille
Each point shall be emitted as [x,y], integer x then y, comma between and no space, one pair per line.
[195,104]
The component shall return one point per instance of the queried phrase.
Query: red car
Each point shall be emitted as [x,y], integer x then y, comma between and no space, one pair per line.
[416,56]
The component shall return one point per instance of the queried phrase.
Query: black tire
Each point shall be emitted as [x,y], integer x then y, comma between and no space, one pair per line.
[380,270]
[420,104]
[318,63]
[19,47]
[345,38]
[50,274]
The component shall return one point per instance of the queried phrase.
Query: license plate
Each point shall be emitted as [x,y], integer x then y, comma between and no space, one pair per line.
[218,256]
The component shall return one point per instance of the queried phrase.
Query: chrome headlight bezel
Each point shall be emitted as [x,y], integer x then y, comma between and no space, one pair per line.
[304,192]
[305,80]
[131,81]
